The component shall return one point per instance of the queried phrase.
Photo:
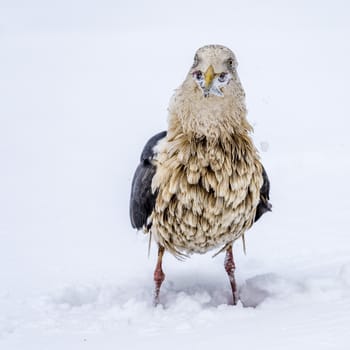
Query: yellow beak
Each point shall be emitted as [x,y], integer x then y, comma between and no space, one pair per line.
[209,76]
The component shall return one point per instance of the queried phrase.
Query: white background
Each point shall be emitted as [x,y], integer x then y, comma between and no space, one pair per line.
[83,85]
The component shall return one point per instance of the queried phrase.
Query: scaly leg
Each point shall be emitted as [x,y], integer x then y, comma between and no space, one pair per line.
[159,275]
[230,269]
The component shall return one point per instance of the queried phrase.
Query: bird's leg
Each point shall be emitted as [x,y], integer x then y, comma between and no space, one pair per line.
[230,269]
[159,275]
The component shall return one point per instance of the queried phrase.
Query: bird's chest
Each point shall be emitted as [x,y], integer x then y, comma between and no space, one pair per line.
[206,196]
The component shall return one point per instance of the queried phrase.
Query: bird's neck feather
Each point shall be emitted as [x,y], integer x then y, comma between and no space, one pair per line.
[213,117]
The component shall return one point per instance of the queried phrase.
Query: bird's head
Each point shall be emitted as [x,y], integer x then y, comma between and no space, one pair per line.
[211,100]
[213,69]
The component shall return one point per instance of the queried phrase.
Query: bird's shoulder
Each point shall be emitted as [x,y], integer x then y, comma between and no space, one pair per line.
[148,151]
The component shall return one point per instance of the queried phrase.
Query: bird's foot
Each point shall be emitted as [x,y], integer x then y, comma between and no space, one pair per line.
[235,298]
[230,269]
[159,277]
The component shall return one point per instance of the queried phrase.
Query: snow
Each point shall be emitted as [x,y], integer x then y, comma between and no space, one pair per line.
[73,273]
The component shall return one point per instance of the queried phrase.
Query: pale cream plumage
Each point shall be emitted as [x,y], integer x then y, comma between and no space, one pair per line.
[208,176]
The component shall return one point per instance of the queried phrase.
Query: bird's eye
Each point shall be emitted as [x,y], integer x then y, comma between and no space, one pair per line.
[198,75]
[230,62]
[222,77]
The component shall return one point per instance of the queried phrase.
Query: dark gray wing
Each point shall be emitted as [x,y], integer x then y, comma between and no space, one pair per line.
[264,204]
[142,200]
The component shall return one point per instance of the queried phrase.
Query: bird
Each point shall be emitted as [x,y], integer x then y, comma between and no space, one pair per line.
[200,184]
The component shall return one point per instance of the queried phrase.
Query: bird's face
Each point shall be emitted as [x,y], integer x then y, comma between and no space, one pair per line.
[213,69]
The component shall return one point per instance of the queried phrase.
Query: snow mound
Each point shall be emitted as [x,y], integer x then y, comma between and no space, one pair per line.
[190,309]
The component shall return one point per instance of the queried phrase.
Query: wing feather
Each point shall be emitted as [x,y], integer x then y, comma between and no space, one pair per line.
[264,204]
[142,200]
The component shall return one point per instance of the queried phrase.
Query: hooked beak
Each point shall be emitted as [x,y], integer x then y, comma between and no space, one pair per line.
[209,76]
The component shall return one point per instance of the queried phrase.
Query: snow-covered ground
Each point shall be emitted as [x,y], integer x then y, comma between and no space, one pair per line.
[83,85]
